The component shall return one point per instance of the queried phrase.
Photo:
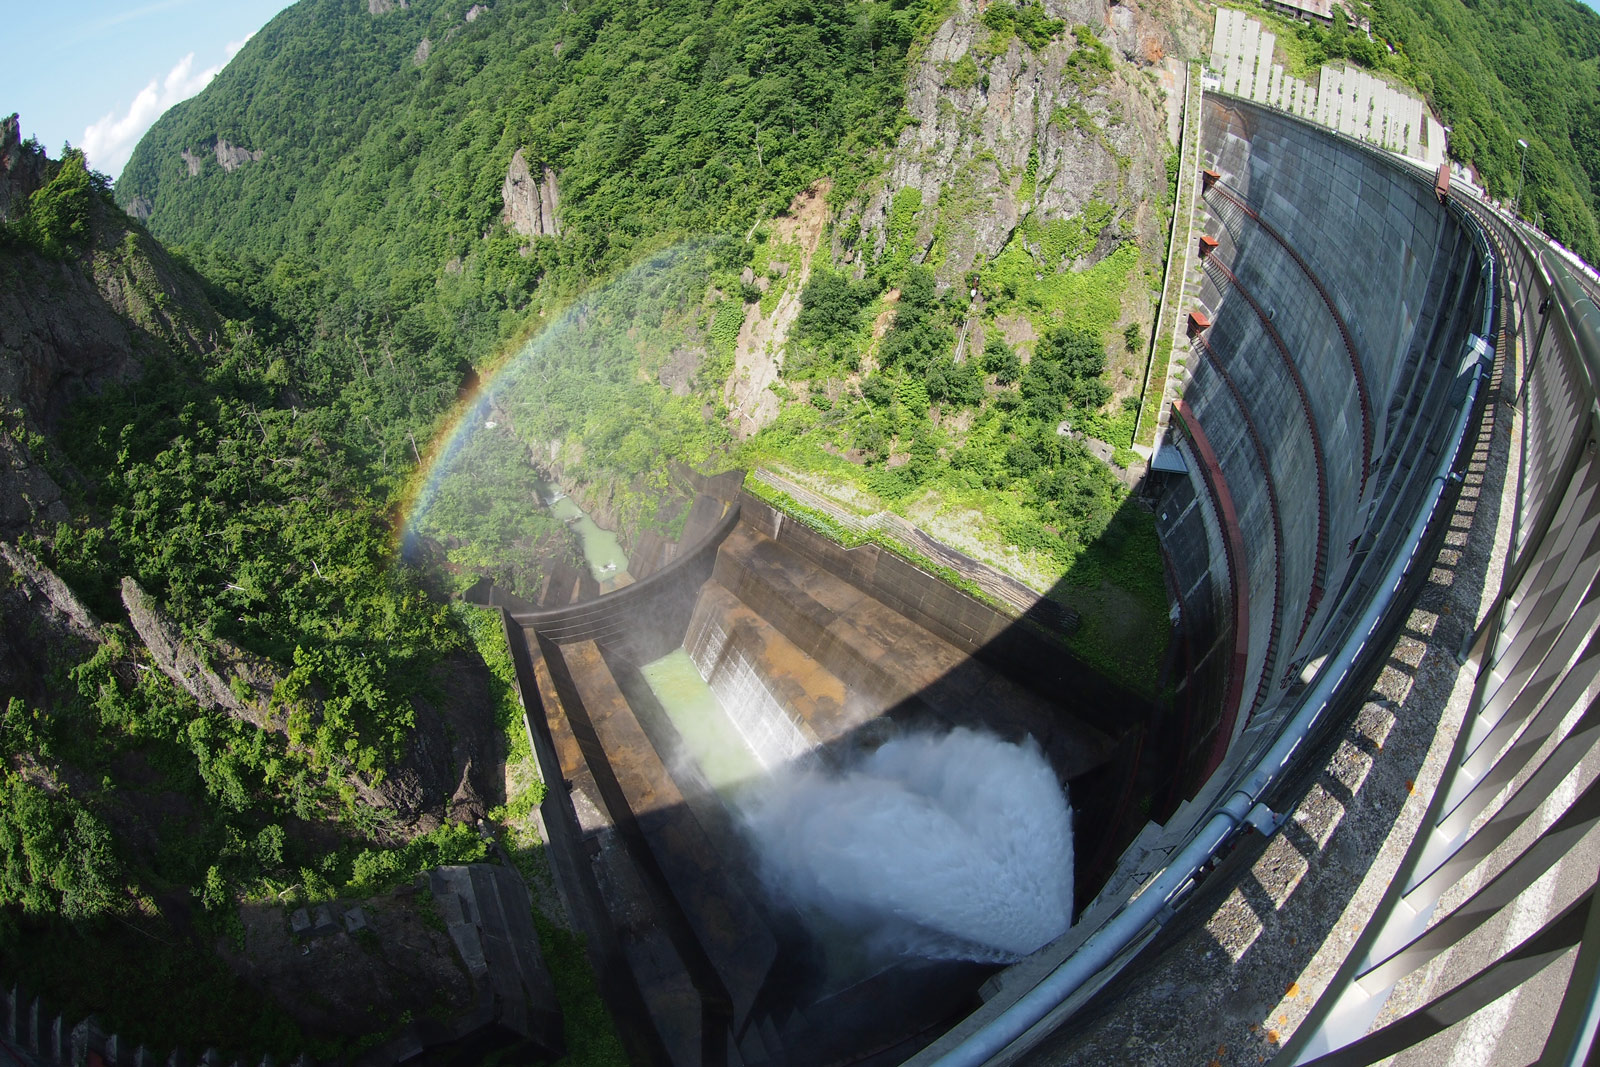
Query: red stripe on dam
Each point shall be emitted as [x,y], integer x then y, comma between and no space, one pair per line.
[1233,542]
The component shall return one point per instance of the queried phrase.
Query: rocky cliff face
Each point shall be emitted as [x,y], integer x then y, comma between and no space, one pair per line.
[531,207]
[22,167]
[231,156]
[68,327]
[42,623]
[71,326]
[435,778]
[240,684]
[757,356]
[1003,130]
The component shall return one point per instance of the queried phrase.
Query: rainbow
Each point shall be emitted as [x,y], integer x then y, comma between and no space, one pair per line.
[473,410]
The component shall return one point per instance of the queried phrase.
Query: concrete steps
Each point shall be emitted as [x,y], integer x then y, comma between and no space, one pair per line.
[886,661]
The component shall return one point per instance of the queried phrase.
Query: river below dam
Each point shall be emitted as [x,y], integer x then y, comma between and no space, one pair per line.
[601,549]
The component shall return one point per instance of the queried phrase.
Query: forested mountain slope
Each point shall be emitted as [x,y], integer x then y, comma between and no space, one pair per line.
[1499,70]
[489,172]
[216,687]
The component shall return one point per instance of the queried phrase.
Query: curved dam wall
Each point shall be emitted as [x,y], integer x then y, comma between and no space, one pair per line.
[1341,296]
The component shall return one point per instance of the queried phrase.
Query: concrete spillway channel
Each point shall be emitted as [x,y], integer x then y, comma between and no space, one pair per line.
[804,653]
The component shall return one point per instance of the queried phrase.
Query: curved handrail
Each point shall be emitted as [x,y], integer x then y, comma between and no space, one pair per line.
[1527,683]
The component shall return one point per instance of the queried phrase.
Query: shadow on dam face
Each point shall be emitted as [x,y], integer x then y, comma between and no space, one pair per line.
[827,669]
[1340,301]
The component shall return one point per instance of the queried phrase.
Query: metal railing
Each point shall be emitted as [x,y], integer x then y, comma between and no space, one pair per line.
[1537,662]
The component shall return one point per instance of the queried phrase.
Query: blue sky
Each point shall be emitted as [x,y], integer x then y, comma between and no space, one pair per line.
[99,72]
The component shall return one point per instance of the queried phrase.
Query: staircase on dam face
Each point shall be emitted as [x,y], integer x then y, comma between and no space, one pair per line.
[840,659]
[816,652]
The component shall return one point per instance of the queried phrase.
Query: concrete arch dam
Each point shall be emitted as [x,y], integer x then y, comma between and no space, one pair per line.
[1343,301]
[1320,406]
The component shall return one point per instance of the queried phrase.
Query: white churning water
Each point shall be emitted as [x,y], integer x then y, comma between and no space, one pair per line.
[948,846]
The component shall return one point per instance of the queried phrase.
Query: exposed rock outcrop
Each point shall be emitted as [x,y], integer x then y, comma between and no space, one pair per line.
[757,354]
[998,135]
[70,328]
[242,686]
[531,207]
[383,7]
[232,156]
[474,11]
[424,50]
[52,597]
[29,496]
[434,779]
[43,624]
[22,167]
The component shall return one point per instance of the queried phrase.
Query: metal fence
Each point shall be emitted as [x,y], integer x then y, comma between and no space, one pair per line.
[1537,662]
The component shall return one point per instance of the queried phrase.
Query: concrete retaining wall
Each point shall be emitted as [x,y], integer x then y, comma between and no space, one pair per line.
[1015,649]
[648,618]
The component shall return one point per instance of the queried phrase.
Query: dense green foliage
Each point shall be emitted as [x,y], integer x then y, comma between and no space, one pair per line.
[235,513]
[663,122]
[1499,70]
[247,490]
[55,855]
[56,218]
[1026,18]
[1496,71]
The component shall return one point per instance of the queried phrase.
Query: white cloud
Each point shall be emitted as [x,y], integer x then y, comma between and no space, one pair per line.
[109,142]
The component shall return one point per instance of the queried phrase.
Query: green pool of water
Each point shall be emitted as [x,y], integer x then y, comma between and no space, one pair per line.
[705,728]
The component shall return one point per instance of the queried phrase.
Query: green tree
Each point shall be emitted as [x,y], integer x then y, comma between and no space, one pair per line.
[55,855]
[59,213]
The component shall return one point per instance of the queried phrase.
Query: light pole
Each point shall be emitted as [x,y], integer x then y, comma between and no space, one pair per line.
[1522,172]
